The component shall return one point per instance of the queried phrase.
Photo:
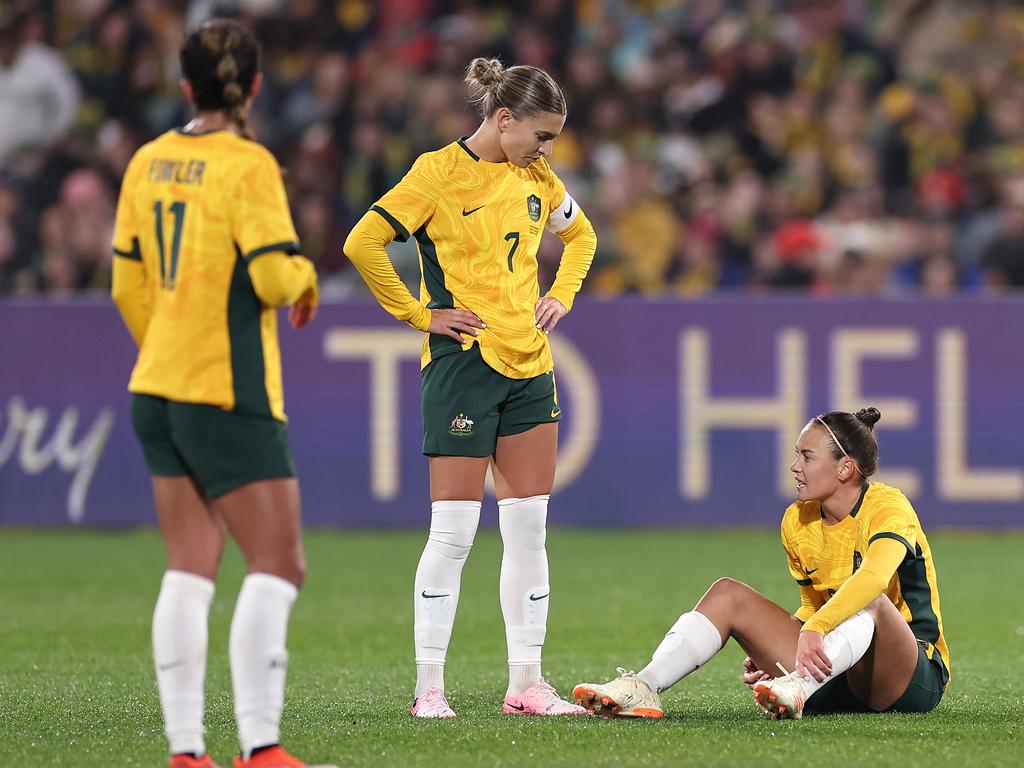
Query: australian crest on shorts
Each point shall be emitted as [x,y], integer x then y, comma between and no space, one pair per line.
[461,426]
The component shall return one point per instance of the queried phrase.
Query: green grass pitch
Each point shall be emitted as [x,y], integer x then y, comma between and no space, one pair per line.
[77,689]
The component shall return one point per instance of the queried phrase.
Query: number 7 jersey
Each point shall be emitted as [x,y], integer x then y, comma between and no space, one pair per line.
[478,226]
[195,209]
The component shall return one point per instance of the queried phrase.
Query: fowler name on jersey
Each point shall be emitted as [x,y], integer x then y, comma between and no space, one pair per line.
[195,209]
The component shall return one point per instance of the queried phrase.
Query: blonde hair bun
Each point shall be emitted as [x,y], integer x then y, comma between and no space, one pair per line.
[485,73]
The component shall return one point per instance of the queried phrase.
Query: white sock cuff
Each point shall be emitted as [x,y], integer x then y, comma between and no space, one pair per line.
[199,585]
[455,506]
[275,584]
[543,497]
[714,637]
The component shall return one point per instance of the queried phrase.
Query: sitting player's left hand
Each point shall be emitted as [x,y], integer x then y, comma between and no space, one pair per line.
[549,311]
[752,674]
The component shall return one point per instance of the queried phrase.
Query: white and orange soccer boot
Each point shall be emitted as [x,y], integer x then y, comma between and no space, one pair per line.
[432,704]
[781,698]
[625,696]
[274,757]
[540,699]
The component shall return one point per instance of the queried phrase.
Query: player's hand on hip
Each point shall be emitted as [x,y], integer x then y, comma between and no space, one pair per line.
[454,322]
[751,673]
[549,311]
[811,659]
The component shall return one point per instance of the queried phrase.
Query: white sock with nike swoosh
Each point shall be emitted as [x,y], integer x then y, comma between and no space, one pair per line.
[180,635]
[453,527]
[524,586]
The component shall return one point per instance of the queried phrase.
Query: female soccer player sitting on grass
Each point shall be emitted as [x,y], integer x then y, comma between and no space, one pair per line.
[205,250]
[868,634]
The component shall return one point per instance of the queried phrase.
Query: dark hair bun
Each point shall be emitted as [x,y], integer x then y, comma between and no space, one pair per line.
[869,416]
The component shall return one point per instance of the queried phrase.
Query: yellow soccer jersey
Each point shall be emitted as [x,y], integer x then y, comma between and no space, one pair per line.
[822,557]
[478,226]
[195,210]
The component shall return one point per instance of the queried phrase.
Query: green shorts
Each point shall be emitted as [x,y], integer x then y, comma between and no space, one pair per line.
[467,405]
[923,693]
[219,449]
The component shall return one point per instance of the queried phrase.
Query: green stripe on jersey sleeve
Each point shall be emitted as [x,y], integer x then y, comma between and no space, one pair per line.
[291,247]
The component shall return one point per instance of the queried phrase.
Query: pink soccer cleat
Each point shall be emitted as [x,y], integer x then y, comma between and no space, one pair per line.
[432,704]
[540,699]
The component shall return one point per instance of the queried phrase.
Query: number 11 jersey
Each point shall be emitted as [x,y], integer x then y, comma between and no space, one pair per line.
[195,210]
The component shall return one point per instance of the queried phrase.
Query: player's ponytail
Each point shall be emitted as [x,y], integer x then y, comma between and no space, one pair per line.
[221,60]
[853,435]
[525,91]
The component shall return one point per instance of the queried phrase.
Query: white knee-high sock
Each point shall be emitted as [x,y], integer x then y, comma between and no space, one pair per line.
[844,646]
[453,527]
[180,635]
[524,586]
[259,659]
[689,645]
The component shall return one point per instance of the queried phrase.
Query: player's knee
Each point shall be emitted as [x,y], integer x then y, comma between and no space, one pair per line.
[724,590]
[451,545]
[202,561]
[296,566]
[288,565]
[880,603]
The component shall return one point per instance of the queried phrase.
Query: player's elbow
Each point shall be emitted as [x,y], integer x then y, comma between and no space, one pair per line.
[355,244]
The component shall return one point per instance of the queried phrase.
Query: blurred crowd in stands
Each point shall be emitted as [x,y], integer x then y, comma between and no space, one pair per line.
[840,148]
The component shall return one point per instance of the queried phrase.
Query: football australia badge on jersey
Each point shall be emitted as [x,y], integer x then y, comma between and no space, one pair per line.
[533,206]
[462,426]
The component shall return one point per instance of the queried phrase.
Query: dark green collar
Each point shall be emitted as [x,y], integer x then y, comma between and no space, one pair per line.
[462,143]
[856,507]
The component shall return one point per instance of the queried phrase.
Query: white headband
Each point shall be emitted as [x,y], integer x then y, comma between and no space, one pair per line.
[838,444]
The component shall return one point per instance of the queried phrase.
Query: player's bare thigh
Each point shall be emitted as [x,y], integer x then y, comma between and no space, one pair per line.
[764,629]
[884,672]
[524,464]
[193,532]
[265,519]
[457,478]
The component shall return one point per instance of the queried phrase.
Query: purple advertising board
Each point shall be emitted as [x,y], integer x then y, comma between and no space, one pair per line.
[675,413]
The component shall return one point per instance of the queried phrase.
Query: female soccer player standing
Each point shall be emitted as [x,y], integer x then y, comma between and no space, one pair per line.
[868,634]
[477,209]
[204,251]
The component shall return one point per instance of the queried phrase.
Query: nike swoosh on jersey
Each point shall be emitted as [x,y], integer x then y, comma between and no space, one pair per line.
[443,594]
[813,570]
[556,412]
[466,213]
[568,213]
